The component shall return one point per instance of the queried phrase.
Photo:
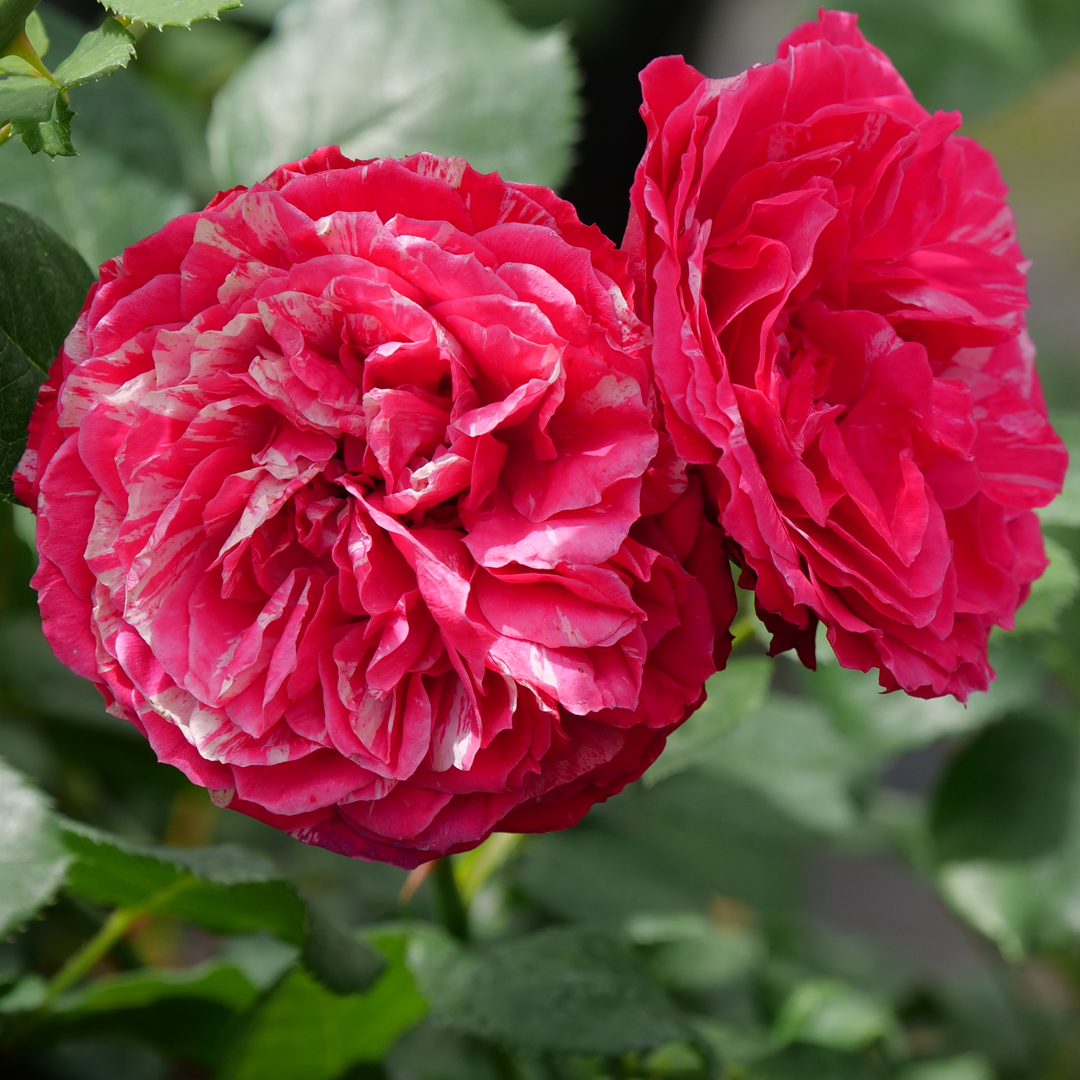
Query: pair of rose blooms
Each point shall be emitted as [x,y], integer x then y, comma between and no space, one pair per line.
[395,506]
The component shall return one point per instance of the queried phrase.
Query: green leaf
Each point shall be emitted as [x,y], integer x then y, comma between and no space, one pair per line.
[28,994]
[128,178]
[1006,795]
[161,13]
[42,287]
[36,32]
[735,1044]
[688,952]
[33,862]
[101,52]
[1003,901]
[27,98]
[734,694]
[965,1067]
[39,38]
[388,78]
[226,888]
[1065,509]
[789,751]
[810,1063]
[567,990]
[302,1031]
[877,726]
[673,847]
[341,961]
[52,135]
[13,16]
[1051,593]
[213,981]
[833,1014]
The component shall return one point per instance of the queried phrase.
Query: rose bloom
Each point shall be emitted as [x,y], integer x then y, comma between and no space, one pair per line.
[339,486]
[837,297]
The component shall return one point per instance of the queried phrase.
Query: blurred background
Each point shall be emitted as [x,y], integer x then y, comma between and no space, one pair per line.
[832,883]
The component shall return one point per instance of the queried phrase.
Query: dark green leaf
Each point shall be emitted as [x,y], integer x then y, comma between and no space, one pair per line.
[39,38]
[734,694]
[810,1063]
[341,961]
[42,286]
[13,15]
[670,848]
[1006,795]
[161,13]
[107,1057]
[568,990]
[225,888]
[101,52]
[387,78]
[790,752]
[33,862]
[303,1031]
[877,725]
[52,135]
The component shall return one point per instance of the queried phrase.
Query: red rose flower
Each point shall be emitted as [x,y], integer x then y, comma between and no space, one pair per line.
[837,298]
[339,487]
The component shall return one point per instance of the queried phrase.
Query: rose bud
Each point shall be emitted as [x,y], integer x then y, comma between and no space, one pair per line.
[339,487]
[837,297]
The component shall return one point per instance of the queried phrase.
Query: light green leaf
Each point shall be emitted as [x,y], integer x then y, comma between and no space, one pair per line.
[126,181]
[1065,509]
[33,862]
[162,13]
[101,52]
[26,97]
[689,952]
[734,694]
[36,32]
[51,135]
[965,1067]
[388,78]
[567,990]
[303,1031]
[833,1014]
[226,888]
[1051,593]
[213,981]
[1000,900]
[25,996]
[42,287]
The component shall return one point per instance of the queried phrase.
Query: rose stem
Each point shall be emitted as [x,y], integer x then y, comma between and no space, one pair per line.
[450,909]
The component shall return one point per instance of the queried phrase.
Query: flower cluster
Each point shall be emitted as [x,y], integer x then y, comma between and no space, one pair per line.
[396,506]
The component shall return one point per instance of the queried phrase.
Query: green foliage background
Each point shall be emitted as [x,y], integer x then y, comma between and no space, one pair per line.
[814,882]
